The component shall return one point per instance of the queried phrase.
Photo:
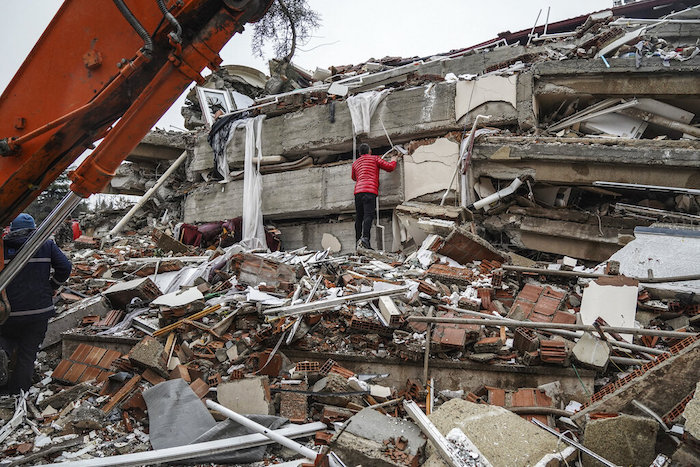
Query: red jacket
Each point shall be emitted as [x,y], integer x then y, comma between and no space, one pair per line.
[365,171]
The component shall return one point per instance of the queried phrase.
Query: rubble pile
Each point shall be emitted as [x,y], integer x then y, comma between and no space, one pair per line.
[534,300]
[284,334]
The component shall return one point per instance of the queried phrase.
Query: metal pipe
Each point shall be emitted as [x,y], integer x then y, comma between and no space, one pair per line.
[385,404]
[626,360]
[540,411]
[330,303]
[636,186]
[146,196]
[258,428]
[575,334]
[546,22]
[529,324]
[589,275]
[219,446]
[52,221]
[426,356]
[573,443]
[662,121]
[532,32]
[629,21]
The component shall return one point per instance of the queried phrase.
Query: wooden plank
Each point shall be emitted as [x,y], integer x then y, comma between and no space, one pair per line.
[198,315]
[121,393]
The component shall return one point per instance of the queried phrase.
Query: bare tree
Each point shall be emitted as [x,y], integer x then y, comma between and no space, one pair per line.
[286,24]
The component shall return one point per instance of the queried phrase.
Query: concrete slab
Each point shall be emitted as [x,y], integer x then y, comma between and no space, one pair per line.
[418,112]
[121,294]
[502,437]
[310,192]
[623,440]
[660,387]
[354,450]
[692,414]
[371,424]
[472,94]
[430,168]
[468,376]
[97,305]
[580,161]
[71,340]
[666,252]
[246,396]
[556,236]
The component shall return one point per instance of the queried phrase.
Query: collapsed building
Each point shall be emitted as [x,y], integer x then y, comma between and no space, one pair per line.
[598,132]
[577,139]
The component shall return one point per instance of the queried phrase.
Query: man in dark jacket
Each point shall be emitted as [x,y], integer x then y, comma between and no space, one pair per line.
[31,303]
[365,172]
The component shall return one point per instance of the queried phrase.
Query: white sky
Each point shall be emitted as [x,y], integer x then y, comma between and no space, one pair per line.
[351,32]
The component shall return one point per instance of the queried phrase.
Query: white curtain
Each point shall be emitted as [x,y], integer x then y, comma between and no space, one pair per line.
[362,106]
[253,230]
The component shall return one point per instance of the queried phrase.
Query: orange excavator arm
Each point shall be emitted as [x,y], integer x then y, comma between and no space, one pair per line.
[106,69]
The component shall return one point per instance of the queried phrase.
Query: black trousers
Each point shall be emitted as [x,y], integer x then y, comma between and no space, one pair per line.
[365,210]
[21,339]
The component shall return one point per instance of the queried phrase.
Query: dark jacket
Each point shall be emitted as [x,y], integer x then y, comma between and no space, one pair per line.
[31,292]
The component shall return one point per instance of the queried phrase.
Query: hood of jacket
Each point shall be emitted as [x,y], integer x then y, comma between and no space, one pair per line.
[17,238]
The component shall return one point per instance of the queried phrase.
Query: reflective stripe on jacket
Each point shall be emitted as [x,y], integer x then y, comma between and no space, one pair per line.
[30,293]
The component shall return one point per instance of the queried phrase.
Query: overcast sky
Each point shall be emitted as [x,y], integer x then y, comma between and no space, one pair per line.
[351,32]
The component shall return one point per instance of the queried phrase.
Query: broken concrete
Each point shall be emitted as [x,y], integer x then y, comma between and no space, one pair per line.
[247,396]
[429,169]
[311,192]
[92,306]
[355,450]
[623,440]
[372,425]
[659,387]
[502,437]
[122,293]
[692,414]
[612,299]
[148,354]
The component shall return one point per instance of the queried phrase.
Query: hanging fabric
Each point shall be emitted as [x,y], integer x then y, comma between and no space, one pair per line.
[253,230]
[362,107]
[220,136]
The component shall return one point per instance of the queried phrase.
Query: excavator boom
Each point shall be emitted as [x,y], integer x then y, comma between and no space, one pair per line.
[96,63]
[101,70]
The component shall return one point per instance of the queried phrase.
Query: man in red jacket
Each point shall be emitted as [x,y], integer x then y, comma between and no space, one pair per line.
[365,172]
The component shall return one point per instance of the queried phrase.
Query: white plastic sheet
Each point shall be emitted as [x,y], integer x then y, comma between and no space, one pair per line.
[362,107]
[253,230]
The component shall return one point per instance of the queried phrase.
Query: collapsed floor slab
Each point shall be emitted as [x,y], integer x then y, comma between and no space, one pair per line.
[459,375]
[311,192]
[658,385]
